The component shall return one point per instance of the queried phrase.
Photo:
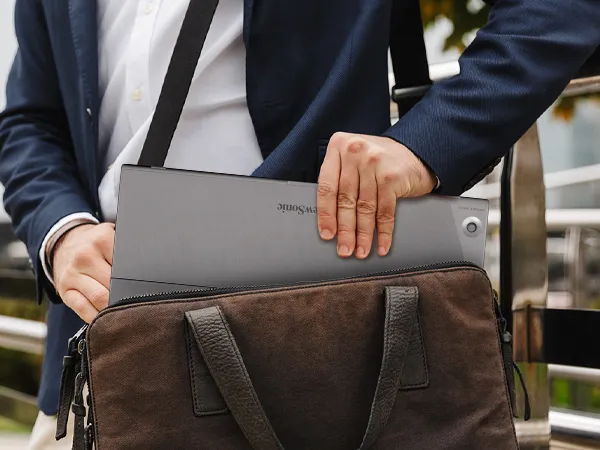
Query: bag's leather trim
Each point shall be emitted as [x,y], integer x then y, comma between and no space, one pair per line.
[217,345]
[208,401]
[402,310]
[205,395]
[414,372]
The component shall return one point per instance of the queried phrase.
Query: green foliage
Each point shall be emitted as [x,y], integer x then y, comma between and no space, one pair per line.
[10,426]
[22,309]
[458,12]
[560,393]
[20,371]
[576,396]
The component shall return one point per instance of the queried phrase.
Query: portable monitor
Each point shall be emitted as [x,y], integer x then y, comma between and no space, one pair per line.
[179,230]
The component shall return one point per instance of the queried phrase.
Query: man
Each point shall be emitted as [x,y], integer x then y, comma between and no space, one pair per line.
[273,76]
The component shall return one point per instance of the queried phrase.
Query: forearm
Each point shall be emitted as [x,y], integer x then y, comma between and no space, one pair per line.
[516,67]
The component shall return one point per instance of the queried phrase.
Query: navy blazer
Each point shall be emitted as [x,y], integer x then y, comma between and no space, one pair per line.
[313,68]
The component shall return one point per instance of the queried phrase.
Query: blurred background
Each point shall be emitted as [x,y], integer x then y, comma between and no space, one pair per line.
[569,135]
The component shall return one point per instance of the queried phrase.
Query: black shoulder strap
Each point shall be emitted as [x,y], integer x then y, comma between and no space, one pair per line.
[407,49]
[177,82]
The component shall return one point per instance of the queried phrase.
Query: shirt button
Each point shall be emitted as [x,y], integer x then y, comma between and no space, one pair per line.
[149,7]
[136,94]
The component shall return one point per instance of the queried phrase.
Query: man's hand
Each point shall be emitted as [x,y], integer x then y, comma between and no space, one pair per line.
[82,264]
[360,181]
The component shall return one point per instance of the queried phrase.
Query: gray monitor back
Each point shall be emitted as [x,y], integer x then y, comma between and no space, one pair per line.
[179,230]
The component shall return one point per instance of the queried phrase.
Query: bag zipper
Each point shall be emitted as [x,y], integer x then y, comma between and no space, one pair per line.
[209,291]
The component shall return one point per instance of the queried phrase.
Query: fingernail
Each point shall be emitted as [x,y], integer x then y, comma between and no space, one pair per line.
[382,251]
[326,234]
[360,252]
[343,250]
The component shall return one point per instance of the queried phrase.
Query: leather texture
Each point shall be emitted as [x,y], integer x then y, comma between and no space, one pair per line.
[401,314]
[217,344]
[313,353]
[206,397]
[71,366]
[414,373]
[226,364]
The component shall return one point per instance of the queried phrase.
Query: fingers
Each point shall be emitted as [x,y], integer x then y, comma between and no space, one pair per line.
[386,213]
[104,240]
[347,193]
[91,289]
[366,209]
[361,179]
[346,208]
[82,268]
[85,295]
[99,271]
[80,304]
[327,192]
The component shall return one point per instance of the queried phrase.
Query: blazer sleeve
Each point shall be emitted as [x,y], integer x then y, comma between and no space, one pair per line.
[37,163]
[515,68]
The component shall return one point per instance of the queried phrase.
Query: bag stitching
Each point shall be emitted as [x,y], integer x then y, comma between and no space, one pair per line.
[196,407]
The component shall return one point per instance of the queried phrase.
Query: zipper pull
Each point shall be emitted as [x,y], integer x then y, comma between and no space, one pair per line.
[507,355]
[71,369]
[507,359]
[527,411]
[510,367]
[78,405]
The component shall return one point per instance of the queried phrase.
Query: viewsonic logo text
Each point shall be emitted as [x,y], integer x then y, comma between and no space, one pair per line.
[298,209]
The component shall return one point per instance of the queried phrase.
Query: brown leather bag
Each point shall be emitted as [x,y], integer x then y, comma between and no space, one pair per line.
[407,360]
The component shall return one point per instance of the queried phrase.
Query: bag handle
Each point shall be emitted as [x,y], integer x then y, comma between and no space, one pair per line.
[225,363]
[178,80]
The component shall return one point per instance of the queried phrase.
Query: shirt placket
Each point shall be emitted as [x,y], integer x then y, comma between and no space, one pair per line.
[138,64]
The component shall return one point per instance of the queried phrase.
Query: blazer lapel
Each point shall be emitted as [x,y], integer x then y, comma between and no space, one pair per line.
[84,27]
[248,7]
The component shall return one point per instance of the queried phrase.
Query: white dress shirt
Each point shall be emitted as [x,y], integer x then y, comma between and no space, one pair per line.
[215,133]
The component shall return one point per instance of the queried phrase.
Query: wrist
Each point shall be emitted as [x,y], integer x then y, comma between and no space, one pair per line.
[426,179]
[60,237]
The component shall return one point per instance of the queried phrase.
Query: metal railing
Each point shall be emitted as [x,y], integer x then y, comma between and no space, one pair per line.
[555,180]
[441,71]
[559,219]
[583,428]
[22,335]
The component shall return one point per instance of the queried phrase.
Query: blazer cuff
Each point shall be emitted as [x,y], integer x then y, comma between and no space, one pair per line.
[65,224]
